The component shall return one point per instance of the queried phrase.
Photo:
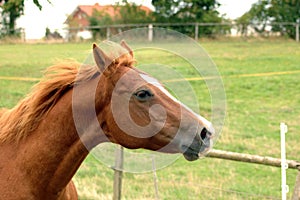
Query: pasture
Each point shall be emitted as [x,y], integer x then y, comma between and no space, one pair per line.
[261,80]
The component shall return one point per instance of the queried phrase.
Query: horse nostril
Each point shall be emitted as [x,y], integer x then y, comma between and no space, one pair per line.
[203,133]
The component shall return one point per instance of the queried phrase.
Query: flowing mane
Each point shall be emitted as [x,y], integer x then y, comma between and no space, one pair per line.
[2,111]
[17,123]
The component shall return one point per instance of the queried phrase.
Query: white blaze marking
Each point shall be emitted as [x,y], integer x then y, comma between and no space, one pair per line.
[157,84]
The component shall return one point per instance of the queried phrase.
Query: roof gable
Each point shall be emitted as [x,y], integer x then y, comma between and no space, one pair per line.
[80,15]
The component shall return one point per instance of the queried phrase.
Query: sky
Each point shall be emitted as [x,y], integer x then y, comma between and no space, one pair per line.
[54,15]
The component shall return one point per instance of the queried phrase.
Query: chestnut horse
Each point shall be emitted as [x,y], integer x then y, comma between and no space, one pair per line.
[41,147]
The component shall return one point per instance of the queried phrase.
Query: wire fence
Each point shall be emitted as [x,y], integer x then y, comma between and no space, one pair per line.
[194,29]
[18,33]
[213,190]
[225,155]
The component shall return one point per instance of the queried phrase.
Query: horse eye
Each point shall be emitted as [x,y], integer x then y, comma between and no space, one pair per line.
[143,95]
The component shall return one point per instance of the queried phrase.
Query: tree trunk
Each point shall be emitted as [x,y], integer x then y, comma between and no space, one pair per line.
[12,23]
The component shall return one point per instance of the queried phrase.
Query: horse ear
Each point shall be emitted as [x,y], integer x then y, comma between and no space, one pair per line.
[125,45]
[101,59]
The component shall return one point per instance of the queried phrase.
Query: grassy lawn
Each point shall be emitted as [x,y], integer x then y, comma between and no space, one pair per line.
[255,107]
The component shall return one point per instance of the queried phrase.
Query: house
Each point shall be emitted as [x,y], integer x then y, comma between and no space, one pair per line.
[78,22]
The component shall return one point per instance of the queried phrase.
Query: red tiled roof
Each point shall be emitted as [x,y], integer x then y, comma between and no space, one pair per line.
[146,9]
[109,9]
[88,10]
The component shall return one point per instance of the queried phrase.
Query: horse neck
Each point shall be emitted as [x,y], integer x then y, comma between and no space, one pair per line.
[54,150]
[72,149]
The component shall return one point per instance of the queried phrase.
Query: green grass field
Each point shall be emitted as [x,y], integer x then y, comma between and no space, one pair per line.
[255,107]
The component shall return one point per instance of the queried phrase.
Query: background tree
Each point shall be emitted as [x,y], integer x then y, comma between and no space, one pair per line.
[126,13]
[268,11]
[14,9]
[131,13]
[243,22]
[52,35]
[181,11]
[98,19]
[258,17]
[285,11]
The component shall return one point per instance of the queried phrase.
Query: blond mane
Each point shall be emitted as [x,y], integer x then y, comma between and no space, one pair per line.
[24,118]
[2,111]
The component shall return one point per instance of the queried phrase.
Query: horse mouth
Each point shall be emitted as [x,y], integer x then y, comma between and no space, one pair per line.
[199,147]
[190,154]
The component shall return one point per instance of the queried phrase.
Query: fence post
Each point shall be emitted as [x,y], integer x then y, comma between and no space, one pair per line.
[23,34]
[107,33]
[150,32]
[297,32]
[155,178]
[296,193]
[196,31]
[284,165]
[118,173]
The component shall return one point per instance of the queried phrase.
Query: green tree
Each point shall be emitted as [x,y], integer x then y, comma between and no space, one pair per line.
[243,22]
[14,9]
[278,13]
[283,11]
[181,11]
[47,32]
[126,13]
[98,19]
[258,17]
[131,13]
[185,10]
[165,10]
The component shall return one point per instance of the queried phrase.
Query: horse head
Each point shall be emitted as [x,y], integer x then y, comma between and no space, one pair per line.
[140,113]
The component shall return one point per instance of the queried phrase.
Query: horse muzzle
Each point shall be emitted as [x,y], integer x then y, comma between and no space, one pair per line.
[199,147]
